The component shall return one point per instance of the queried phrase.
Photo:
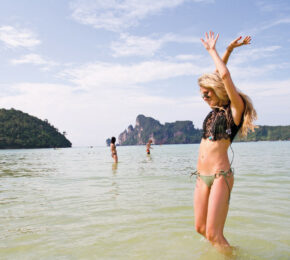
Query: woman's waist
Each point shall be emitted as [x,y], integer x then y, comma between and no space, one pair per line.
[218,150]
[212,154]
[211,164]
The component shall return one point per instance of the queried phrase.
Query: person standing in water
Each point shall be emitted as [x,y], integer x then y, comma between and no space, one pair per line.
[113,149]
[232,111]
[148,146]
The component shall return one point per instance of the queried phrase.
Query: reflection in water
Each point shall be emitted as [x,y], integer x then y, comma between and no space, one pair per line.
[115,186]
[149,158]
[114,168]
[115,190]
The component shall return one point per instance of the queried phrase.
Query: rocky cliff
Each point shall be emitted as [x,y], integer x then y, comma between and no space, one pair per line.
[183,132]
[180,132]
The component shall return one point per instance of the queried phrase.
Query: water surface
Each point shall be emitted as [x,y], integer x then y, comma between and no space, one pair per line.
[77,204]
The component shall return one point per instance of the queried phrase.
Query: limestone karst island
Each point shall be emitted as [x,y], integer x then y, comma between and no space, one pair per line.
[21,130]
[184,132]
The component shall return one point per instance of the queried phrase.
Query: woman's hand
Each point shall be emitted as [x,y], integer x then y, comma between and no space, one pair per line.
[209,42]
[235,43]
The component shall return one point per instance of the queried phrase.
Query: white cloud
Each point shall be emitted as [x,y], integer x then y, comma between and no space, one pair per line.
[134,45]
[34,59]
[100,75]
[268,88]
[275,23]
[266,25]
[270,99]
[18,37]
[255,72]
[116,15]
[275,6]
[187,57]
[90,117]
[252,54]
[146,46]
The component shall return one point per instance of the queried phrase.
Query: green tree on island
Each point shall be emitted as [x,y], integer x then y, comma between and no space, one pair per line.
[21,130]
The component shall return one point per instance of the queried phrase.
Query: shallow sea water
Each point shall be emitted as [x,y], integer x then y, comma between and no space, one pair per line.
[77,204]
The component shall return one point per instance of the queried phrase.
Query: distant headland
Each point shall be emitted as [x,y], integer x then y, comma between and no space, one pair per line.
[21,130]
[180,132]
[184,132]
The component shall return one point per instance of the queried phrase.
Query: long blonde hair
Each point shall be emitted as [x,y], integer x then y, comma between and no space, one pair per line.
[214,82]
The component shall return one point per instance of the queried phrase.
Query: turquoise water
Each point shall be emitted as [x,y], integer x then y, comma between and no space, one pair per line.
[76,204]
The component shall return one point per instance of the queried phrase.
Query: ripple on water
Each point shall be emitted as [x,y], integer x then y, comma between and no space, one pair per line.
[77,204]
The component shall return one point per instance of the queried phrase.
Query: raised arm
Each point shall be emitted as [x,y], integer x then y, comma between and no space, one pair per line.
[234,44]
[237,104]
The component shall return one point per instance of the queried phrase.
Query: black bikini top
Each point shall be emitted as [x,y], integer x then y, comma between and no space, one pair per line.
[219,124]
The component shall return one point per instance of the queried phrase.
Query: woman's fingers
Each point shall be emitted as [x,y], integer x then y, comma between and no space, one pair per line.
[205,44]
[235,43]
[209,40]
[237,39]
[209,35]
[247,40]
[217,36]
[212,34]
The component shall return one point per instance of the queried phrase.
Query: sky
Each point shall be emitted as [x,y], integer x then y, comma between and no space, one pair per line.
[91,66]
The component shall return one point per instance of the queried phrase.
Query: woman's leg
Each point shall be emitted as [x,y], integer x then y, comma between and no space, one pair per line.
[201,195]
[218,206]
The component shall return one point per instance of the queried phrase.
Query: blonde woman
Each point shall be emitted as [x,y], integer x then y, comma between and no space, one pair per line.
[232,111]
